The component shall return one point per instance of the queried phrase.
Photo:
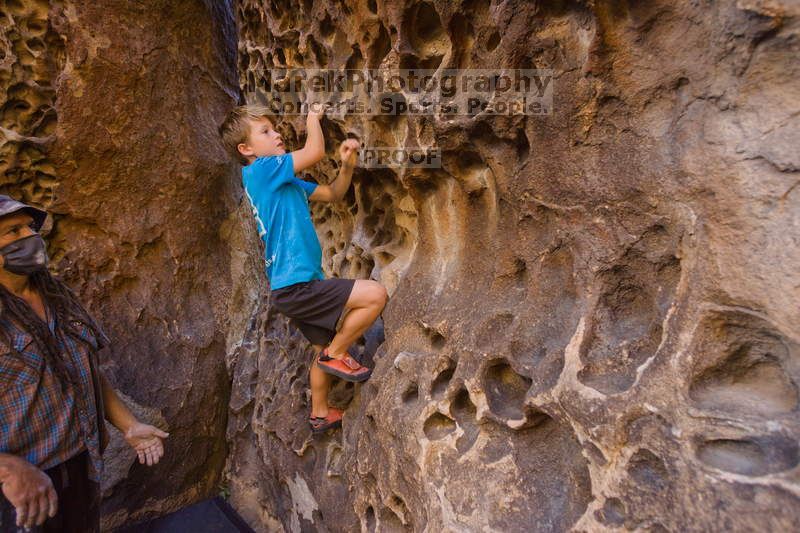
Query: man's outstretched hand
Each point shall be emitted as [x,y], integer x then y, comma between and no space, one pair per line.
[348,151]
[146,440]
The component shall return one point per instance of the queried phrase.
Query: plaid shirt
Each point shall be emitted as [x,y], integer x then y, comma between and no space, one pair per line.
[40,420]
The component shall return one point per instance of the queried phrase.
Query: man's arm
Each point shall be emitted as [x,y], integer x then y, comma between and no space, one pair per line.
[143,438]
[314,149]
[116,411]
[336,190]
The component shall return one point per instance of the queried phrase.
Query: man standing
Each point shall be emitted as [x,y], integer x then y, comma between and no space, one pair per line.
[54,397]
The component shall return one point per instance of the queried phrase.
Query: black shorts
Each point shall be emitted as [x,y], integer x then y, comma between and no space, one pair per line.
[315,307]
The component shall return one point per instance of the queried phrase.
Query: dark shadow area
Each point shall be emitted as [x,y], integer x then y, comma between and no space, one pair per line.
[209,516]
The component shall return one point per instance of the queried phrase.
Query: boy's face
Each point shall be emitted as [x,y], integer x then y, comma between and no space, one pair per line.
[262,141]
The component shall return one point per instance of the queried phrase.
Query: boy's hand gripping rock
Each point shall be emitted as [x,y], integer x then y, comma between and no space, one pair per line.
[348,151]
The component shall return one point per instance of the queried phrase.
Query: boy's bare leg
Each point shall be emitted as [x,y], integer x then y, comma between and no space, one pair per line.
[320,385]
[366,301]
[365,304]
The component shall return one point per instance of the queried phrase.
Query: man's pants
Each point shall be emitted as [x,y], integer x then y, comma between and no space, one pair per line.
[78,501]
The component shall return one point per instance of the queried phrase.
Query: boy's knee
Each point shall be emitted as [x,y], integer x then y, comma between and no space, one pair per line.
[379,294]
[384,295]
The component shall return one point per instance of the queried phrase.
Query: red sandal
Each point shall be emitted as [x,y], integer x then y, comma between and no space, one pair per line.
[346,368]
[321,424]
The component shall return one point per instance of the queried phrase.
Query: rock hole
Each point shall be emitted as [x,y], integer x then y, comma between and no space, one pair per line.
[319,52]
[546,452]
[369,517]
[522,145]
[379,48]
[356,60]
[431,62]
[505,390]
[464,412]
[636,295]
[747,373]
[520,272]
[16,7]
[384,258]
[326,27]
[341,392]
[398,502]
[390,521]
[754,386]
[35,45]
[612,513]
[37,27]
[438,426]
[462,34]
[437,340]
[372,426]
[756,456]
[471,171]
[411,394]
[533,417]
[434,336]
[648,470]
[427,37]
[442,380]
[493,41]
[398,505]
[427,24]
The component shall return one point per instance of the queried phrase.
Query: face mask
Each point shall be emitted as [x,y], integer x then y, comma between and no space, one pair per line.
[25,256]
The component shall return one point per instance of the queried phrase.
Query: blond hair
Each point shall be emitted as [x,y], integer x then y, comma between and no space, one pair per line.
[236,127]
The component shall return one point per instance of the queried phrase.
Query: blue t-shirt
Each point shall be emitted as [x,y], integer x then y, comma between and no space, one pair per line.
[280,205]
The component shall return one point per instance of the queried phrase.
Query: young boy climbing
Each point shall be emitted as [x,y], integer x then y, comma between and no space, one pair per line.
[292,250]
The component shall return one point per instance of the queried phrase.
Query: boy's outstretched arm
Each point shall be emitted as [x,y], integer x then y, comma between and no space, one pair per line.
[314,149]
[334,192]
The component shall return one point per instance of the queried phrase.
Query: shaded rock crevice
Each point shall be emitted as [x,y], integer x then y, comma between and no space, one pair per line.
[107,117]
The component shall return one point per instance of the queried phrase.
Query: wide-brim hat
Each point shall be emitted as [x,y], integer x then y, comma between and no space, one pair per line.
[10,206]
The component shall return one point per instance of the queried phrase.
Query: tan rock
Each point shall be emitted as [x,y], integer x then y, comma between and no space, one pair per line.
[593,321]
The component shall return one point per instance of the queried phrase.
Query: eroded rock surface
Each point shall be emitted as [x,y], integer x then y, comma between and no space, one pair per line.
[593,319]
[593,315]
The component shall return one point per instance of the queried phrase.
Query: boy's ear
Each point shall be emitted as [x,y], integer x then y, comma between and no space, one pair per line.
[244,149]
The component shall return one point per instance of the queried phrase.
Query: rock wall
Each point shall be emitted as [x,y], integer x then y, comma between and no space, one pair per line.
[109,114]
[593,319]
[593,315]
